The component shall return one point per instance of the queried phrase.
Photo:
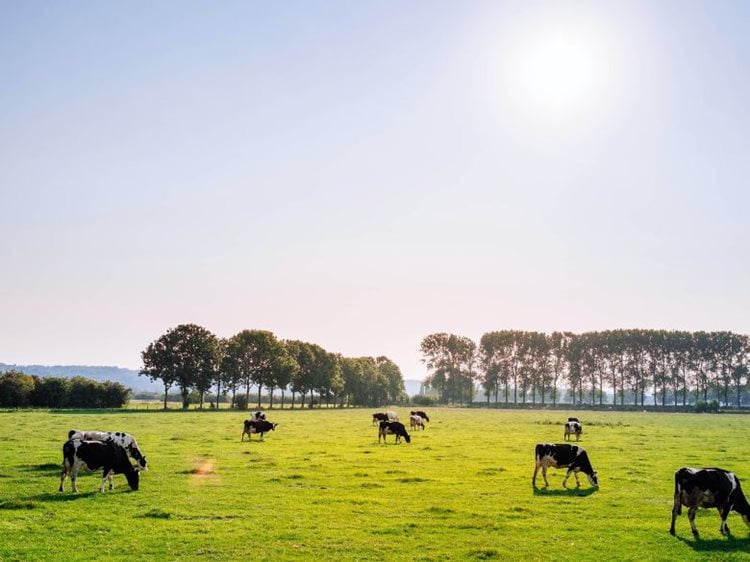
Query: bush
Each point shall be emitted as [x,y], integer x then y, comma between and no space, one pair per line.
[711,407]
[423,400]
[240,402]
[16,389]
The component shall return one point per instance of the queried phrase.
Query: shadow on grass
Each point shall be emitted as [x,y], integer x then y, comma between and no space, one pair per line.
[565,492]
[723,544]
[46,467]
[57,497]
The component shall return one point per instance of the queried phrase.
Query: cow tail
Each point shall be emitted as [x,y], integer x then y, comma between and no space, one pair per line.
[677,493]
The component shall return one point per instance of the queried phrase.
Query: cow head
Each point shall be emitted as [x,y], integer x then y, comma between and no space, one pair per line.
[407,437]
[593,479]
[142,464]
[274,426]
[133,479]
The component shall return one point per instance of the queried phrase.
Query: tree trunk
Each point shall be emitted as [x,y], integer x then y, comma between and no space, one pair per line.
[270,398]
[185,398]
[166,391]
[201,406]
[282,398]
[260,389]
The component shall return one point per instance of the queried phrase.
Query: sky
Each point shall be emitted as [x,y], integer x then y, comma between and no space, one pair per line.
[362,174]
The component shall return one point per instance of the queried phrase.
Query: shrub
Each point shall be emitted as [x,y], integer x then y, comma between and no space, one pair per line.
[16,389]
[422,400]
[711,407]
[240,402]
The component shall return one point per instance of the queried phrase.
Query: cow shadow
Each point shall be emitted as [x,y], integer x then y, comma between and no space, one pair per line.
[57,497]
[565,492]
[46,467]
[723,544]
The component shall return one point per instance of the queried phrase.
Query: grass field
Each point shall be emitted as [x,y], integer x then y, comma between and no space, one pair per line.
[321,487]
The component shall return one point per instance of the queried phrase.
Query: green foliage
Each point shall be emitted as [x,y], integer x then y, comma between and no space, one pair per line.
[460,491]
[18,390]
[711,407]
[422,400]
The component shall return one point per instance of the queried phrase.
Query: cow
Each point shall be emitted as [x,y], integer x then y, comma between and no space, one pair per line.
[392,416]
[415,422]
[393,428]
[708,487]
[379,417]
[574,419]
[259,415]
[421,414]
[124,440]
[257,426]
[90,456]
[572,457]
[572,428]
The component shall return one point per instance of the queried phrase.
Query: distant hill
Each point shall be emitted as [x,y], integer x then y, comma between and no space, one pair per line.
[126,377]
[412,386]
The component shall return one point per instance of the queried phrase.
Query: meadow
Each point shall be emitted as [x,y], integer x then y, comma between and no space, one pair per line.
[322,487]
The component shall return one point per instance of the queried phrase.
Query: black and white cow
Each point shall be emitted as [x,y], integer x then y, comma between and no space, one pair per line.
[573,428]
[421,414]
[708,487]
[257,426]
[379,417]
[90,456]
[259,415]
[416,421]
[393,428]
[124,440]
[572,457]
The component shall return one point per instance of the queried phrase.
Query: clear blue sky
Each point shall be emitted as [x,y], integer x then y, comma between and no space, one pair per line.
[361,174]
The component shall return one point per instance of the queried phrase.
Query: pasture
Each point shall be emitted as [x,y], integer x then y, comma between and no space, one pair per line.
[321,487]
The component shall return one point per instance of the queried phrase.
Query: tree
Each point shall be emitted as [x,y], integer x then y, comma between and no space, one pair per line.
[448,355]
[16,389]
[186,356]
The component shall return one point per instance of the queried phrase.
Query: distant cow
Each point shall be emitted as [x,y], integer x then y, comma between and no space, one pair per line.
[393,428]
[708,487]
[421,414]
[257,426]
[572,457]
[379,417]
[574,419]
[573,428]
[90,456]
[124,440]
[259,415]
[392,416]
[416,421]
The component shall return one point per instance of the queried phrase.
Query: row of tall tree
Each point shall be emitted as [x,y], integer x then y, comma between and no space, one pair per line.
[190,357]
[19,390]
[673,367]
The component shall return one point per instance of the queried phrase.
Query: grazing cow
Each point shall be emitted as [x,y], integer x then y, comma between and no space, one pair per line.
[572,457]
[573,428]
[259,415]
[392,416]
[124,440]
[257,426]
[421,414]
[379,417]
[708,487]
[92,455]
[416,421]
[393,428]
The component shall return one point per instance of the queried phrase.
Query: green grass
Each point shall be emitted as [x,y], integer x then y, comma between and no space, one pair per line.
[322,487]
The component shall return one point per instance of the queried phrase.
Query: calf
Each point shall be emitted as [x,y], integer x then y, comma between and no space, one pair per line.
[393,428]
[708,487]
[572,457]
[416,421]
[379,417]
[124,440]
[257,426]
[421,414]
[573,428]
[92,455]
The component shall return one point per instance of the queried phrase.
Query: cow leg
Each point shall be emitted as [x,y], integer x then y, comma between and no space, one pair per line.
[567,475]
[105,474]
[74,480]
[578,482]
[676,510]
[691,518]
[544,475]
[111,479]
[533,479]
[724,513]
[62,479]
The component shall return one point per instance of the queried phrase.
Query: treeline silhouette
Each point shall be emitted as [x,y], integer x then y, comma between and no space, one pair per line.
[193,359]
[513,366]
[19,390]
